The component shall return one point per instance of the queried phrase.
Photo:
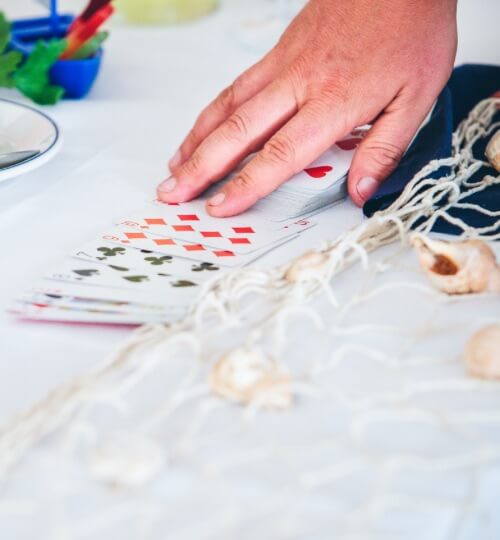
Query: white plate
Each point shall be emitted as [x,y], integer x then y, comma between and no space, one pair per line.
[25,128]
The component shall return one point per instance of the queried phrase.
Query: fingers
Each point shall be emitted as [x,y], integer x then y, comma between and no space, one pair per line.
[382,149]
[243,88]
[291,149]
[244,131]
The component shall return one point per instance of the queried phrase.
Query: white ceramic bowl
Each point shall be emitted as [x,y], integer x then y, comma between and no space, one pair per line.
[25,128]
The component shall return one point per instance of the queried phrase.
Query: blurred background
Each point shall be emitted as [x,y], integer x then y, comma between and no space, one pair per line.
[178,42]
[259,22]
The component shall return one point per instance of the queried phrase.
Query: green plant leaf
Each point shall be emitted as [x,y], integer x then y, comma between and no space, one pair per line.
[91,47]
[4,32]
[8,65]
[8,61]
[32,78]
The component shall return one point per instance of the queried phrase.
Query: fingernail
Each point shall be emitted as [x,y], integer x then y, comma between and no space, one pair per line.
[218,199]
[176,160]
[168,185]
[366,187]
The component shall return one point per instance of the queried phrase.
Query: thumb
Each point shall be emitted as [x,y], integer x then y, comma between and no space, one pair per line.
[381,150]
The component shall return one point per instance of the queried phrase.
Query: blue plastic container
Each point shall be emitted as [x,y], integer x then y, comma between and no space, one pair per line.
[75,76]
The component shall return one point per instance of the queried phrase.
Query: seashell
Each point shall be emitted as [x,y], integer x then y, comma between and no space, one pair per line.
[482,353]
[493,151]
[311,264]
[126,460]
[247,376]
[460,267]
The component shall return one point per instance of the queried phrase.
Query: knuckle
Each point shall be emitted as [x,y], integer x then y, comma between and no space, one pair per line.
[193,166]
[240,83]
[300,69]
[245,182]
[318,108]
[334,93]
[325,110]
[279,150]
[295,80]
[330,102]
[236,127]
[226,99]
[385,155]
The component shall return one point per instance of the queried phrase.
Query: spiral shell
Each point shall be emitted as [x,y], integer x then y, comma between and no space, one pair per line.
[459,267]
[482,353]
[247,376]
[493,151]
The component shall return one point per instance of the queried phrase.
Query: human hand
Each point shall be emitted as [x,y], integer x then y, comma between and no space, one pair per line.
[338,65]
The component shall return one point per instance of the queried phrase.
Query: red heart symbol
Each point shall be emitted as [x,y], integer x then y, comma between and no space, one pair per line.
[318,172]
[349,144]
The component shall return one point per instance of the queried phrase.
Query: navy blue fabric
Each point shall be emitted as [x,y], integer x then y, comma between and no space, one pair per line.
[468,85]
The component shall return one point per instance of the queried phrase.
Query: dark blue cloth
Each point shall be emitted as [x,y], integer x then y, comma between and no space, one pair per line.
[468,85]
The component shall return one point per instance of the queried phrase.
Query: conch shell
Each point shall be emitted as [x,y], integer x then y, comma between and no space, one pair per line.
[461,267]
[311,264]
[245,375]
[482,353]
[493,151]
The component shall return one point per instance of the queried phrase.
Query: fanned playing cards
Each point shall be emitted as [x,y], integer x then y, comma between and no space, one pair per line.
[149,266]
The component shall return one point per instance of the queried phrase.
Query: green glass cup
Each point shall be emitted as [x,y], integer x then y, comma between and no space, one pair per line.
[164,11]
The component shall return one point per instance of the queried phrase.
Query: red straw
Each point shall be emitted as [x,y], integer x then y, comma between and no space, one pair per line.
[86,30]
[93,7]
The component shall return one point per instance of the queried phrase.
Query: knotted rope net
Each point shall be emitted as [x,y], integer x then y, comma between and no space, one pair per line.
[324,398]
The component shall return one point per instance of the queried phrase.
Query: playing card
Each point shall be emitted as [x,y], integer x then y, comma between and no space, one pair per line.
[92,304]
[167,300]
[128,237]
[330,167]
[75,315]
[189,222]
[113,276]
[320,184]
[143,260]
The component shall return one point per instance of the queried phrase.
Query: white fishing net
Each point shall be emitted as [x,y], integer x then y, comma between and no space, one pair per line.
[376,430]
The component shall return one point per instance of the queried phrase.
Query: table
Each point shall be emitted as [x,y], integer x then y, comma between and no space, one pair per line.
[116,144]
